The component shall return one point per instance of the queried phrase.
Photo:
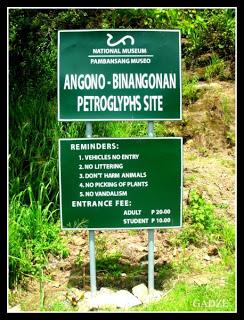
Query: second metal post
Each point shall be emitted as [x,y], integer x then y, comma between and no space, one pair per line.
[92,250]
[150,235]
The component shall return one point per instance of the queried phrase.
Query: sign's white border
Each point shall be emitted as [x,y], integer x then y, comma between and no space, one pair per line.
[120,119]
[99,139]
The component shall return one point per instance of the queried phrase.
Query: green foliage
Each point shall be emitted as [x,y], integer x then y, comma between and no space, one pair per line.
[227,259]
[191,234]
[121,129]
[200,218]
[201,213]
[59,306]
[166,271]
[216,68]
[33,45]
[230,137]
[209,31]
[191,178]
[107,261]
[33,36]
[190,93]
[226,116]
[79,260]
[226,113]
[33,147]
[228,236]
[33,233]
[202,225]
[161,129]
[132,232]
[189,297]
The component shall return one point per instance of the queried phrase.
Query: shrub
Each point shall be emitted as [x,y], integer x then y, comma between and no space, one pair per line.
[201,212]
[201,221]
[32,235]
[190,92]
[215,69]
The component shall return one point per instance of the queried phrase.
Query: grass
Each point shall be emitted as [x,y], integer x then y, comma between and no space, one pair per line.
[33,233]
[201,225]
[230,138]
[226,113]
[226,116]
[228,163]
[129,129]
[34,224]
[123,129]
[190,93]
[57,306]
[190,178]
[215,69]
[200,221]
[189,297]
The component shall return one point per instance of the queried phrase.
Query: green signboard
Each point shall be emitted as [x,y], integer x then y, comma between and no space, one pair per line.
[119,75]
[121,183]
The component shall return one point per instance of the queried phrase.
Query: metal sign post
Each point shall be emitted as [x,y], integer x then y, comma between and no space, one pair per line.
[150,236]
[92,253]
[92,250]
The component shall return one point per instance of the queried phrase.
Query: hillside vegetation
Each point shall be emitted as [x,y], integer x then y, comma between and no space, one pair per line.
[198,258]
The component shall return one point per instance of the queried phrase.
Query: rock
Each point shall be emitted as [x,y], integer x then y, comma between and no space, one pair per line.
[106,298]
[106,290]
[154,295]
[140,291]
[122,299]
[87,295]
[125,299]
[16,308]
[102,300]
